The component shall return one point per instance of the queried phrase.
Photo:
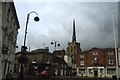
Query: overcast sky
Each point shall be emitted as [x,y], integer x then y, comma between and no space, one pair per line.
[94,25]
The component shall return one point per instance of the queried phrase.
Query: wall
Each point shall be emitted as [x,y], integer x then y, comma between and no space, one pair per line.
[10,26]
[0,40]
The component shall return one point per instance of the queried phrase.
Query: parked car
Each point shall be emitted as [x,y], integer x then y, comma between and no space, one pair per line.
[44,71]
[44,74]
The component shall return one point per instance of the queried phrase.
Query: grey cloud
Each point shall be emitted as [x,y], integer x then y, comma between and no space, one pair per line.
[93,25]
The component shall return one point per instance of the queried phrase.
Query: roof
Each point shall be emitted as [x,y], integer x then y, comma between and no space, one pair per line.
[108,49]
[21,52]
[40,50]
[59,52]
[37,51]
[58,60]
[102,49]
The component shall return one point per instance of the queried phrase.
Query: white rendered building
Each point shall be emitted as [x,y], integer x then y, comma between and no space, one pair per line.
[9,26]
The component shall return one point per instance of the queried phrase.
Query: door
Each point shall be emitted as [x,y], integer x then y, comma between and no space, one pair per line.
[96,73]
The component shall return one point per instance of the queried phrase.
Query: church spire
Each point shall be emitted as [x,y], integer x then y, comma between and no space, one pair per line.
[74,33]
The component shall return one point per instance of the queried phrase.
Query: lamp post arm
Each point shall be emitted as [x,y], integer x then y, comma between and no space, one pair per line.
[33,12]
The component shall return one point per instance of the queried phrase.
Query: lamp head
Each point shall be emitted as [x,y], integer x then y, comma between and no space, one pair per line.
[36,18]
[58,45]
[52,43]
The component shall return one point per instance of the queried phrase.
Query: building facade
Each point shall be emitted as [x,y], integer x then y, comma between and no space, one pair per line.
[42,57]
[96,62]
[60,67]
[0,40]
[9,29]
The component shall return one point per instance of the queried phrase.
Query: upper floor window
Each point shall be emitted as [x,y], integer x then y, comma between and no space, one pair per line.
[8,15]
[62,65]
[110,53]
[110,61]
[95,62]
[81,56]
[95,53]
[82,63]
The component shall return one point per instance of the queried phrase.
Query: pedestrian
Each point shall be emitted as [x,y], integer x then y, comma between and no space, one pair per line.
[9,75]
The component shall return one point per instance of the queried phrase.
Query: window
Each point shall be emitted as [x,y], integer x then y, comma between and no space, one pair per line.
[82,63]
[82,71]
[111,71]
[90,71]
[110,61]
[8,15]
[81,56]
[62,65]
[110,53]
[11,22]
[101,70]
[95,62]
[95,53]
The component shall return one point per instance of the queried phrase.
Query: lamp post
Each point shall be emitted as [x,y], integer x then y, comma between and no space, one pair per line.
[56,43]
[35,19]
[23,58]
[115,44]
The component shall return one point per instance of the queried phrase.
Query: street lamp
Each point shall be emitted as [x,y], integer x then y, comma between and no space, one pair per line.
[115,44]
[35,19]
[56,43]
[23,58]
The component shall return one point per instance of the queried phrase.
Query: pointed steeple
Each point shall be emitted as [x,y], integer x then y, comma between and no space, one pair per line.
[74,33]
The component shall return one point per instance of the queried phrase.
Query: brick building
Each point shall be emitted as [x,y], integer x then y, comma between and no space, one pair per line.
[96,62]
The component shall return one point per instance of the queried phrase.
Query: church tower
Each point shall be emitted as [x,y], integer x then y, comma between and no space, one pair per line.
[73,49]
[74,33]
[74,46]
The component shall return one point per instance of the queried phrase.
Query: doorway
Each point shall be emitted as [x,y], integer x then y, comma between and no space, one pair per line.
[96,73]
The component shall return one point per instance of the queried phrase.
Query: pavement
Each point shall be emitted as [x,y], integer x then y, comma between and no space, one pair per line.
[70,78]
[64,78]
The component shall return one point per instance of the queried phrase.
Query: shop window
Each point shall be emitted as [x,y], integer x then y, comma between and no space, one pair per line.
[111,71]
[82,71]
